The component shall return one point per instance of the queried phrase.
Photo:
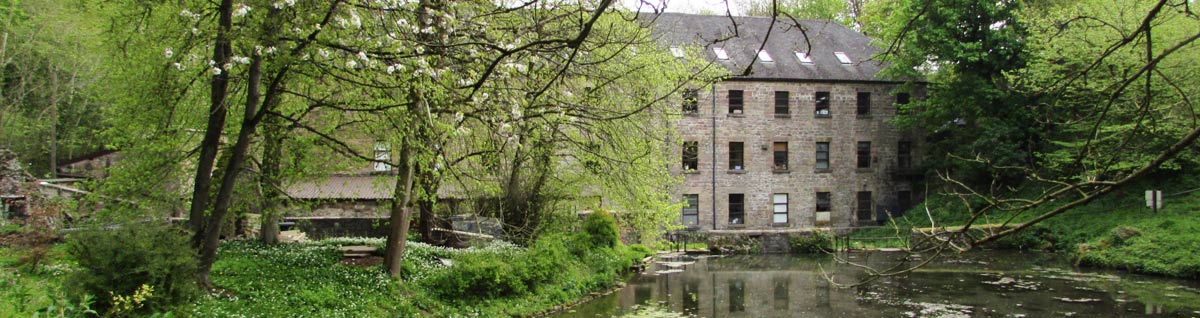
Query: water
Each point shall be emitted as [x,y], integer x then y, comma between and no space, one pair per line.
[980,284]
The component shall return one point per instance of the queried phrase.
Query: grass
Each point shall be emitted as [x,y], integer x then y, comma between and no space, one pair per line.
[1114,231]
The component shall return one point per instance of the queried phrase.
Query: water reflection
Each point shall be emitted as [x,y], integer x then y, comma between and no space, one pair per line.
[980,285]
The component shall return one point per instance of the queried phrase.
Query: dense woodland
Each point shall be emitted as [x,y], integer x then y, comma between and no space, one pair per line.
[1034,108]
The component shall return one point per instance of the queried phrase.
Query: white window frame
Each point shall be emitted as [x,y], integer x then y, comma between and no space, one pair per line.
[765,57]
[677,52]
[804,58]
[381,158]
[780,213]
[721,54]
[842,57]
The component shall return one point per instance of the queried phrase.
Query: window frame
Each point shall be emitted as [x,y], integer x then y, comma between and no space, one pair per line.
[863,104]
[862,208]
[694,159]
[738,206]
[691,203]
[904,154]
[822,104]
[862,151]
[777,206]
[780,164]
[691,101]
[782,103]
[817,165]
[823,201]
[739,107]
[737,162]
[382,156]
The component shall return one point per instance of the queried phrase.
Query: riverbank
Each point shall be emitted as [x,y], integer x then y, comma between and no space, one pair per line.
[1116,231]
[315,279]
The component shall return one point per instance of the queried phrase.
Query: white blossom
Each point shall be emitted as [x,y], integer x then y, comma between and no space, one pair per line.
[216,71]
[241,59]
[168,52]
[179,66]
[284,3]
[363,56]
[242,9]
[195,31]
[351,64]
[323,52]
[270,49]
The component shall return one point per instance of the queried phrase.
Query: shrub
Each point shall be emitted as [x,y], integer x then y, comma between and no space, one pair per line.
[816,242]
[601,229]
[150,262]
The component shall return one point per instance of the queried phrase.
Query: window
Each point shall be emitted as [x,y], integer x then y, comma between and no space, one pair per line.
[804,58]
[721,54]
[781,293]
[736,156]
[822,99]
[864,206]
[781,208]
[842,57]
[904,201]
[904,154]
[735,101]
[822,156]
[737,208]
[691,209]
[781,155]
[781,102]
[864,154]
[677,52]
[381,157]
[902,98]
[864,104]
[737,295]
[691,101]
[691,155]
[823,202]
[765,57]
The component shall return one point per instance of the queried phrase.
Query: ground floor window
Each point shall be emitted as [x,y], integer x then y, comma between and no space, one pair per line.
[864,206]
[691,209]
[781,208]
[737,208]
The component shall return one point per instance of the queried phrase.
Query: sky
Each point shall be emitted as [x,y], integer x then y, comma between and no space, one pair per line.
[688,6]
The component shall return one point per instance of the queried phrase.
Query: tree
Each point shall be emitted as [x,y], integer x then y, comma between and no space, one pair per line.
[1111,91]
[844,12]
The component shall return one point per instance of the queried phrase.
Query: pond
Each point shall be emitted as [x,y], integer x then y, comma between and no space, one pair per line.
[978,284]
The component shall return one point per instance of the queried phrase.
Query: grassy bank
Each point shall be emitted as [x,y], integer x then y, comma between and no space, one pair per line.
[1115,231]
[312,279]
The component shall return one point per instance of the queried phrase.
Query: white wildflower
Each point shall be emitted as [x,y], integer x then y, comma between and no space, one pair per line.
[363,56]
[323,52]
[195,31]
[216,71]
[168,52]
[270,49]
[179,66]
[351,64]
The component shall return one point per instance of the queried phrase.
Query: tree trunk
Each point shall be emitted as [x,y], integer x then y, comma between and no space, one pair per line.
[53,123]
[212,236]
[429,188]
[400,215]
[212,132]
[269,180]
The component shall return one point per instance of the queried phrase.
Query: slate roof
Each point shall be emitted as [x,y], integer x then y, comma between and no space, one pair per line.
[824,38]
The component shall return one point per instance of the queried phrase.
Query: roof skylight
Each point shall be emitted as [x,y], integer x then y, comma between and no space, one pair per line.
[842,57]
[804,58]
[677,52]
[721,54]
[764,56]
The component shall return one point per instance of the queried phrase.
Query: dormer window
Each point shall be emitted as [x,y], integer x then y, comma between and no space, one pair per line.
[842,57]
[677,51]
[381,157]
[765,57]
[804,58]
[721,54]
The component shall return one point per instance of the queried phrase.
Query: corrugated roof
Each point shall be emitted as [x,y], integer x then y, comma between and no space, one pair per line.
[344,187]
[823,39]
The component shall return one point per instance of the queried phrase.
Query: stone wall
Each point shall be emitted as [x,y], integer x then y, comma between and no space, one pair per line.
[758,127]
[753,242]
[323,227]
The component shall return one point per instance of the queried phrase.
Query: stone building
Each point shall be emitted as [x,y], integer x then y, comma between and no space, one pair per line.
[803,139]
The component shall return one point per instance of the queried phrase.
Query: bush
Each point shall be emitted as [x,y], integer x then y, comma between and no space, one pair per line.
[601,229]
[141,267]
[814,243]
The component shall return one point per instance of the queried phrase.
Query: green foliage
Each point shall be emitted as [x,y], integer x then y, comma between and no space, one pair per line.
[816,242]
[117,261]
[601,230]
